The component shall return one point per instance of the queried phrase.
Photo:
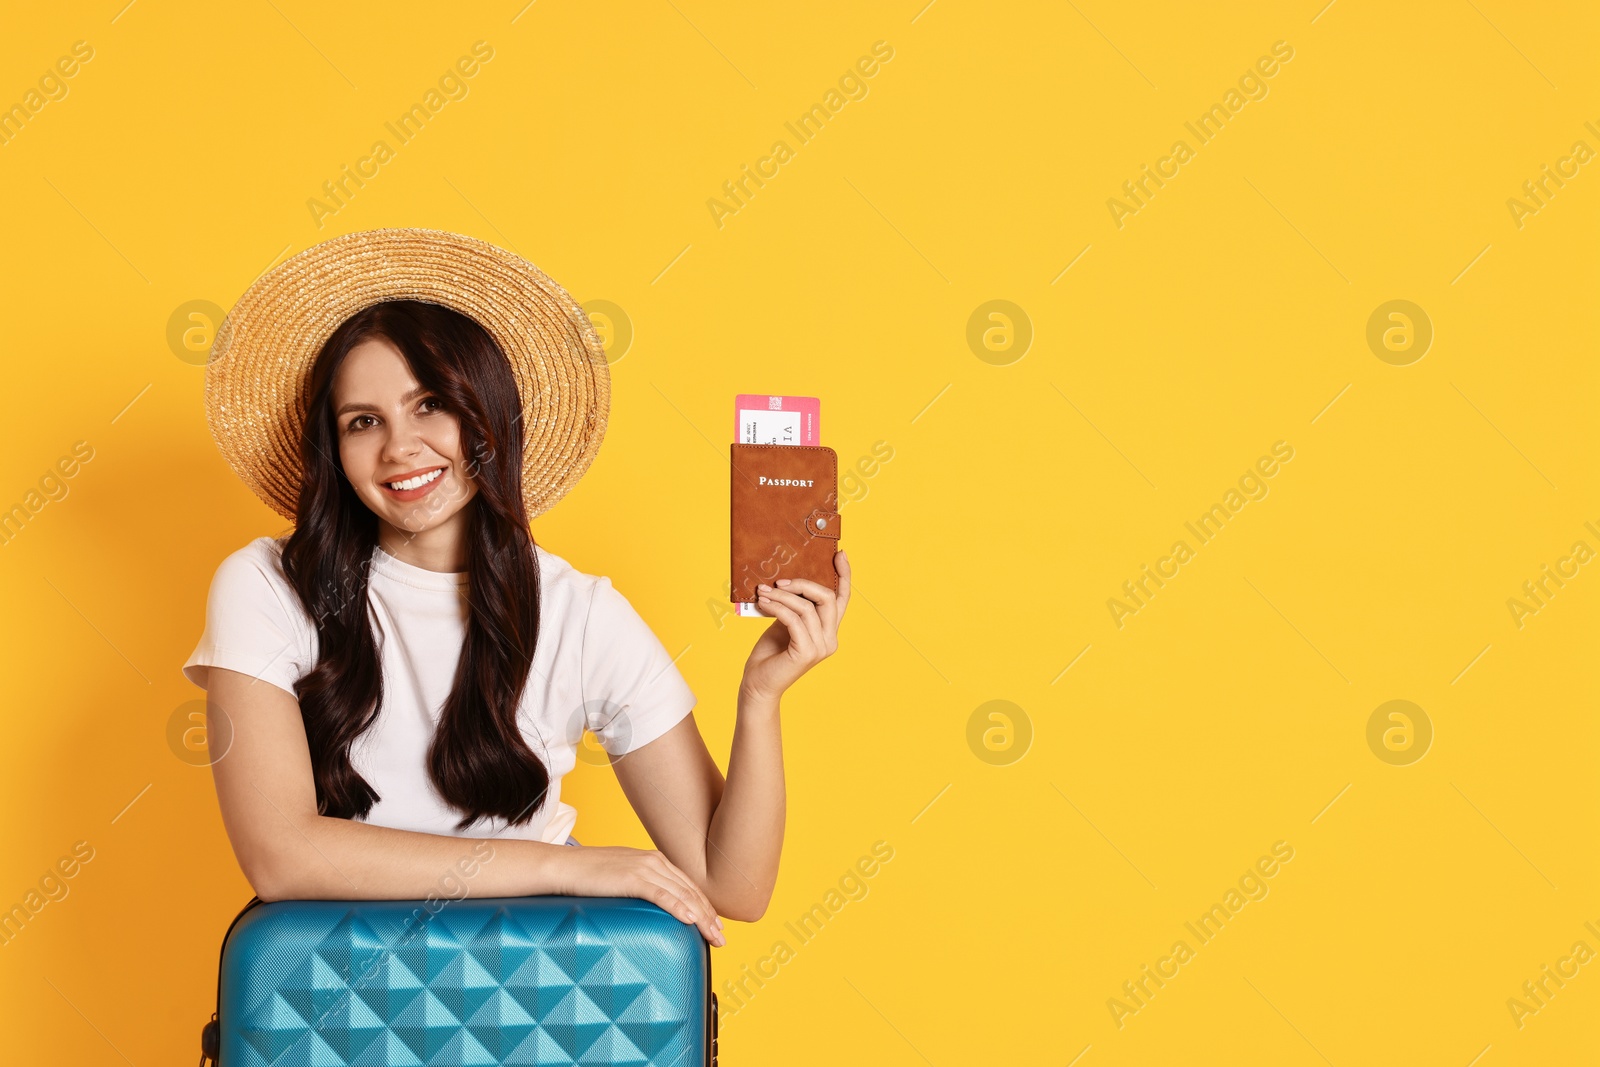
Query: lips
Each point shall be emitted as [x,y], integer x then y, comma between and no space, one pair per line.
[417,487]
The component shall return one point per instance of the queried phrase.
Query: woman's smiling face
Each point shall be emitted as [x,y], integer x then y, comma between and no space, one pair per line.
[392,430]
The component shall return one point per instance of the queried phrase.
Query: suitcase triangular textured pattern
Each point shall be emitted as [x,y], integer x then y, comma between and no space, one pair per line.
[498,980]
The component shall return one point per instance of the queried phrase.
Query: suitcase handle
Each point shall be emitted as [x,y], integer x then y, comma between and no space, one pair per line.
[714,1028]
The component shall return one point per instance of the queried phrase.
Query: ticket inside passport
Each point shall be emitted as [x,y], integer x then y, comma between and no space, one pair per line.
[777,420]
[763,419]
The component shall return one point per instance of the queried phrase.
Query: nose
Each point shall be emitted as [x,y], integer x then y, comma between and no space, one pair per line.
[401,444]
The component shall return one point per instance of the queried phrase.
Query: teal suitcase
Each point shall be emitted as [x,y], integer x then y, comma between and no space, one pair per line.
[475,981]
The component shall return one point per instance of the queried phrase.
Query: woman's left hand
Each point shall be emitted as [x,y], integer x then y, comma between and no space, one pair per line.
[806,631]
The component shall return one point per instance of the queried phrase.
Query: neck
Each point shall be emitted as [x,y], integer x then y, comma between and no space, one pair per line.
[441,548]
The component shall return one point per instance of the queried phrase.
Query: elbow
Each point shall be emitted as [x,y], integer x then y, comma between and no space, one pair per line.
[278,866]
[271,877]
[746,910]
[266,885]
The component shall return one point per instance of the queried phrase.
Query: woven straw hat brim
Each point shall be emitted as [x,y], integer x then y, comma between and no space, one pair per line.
[258,370]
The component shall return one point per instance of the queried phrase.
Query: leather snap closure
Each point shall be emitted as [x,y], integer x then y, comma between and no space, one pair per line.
[823,523]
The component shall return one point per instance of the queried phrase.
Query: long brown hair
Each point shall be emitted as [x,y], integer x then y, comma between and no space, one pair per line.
[478,760]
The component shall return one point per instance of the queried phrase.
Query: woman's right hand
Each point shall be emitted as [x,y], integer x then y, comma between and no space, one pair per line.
[646,874]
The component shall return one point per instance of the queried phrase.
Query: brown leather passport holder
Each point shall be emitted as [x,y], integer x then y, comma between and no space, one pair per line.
[783,514]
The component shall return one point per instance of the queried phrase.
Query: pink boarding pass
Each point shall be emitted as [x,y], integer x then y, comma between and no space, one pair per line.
[777,420]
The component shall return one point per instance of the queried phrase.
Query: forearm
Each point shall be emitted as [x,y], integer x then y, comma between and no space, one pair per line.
[745,837]
[324,858]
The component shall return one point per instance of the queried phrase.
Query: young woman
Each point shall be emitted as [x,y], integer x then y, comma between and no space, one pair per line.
[407,674]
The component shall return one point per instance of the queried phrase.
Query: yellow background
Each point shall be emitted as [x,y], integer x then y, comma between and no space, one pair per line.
[1229,313]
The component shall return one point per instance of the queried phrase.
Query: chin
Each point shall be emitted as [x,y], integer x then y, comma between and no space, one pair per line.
[427,513]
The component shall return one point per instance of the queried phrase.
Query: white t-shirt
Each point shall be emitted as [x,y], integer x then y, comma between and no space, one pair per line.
[597,665]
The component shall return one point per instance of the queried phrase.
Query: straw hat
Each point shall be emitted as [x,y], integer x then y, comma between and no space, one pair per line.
[258,370]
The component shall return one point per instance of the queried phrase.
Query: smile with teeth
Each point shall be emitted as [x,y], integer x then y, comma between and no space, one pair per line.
[415,483]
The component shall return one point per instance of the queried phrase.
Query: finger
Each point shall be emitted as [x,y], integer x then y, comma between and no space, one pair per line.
[674,899]
[688,908]
[712,919]
[710,923]
[824,598]
[841,564]
[708,919]
[800,604]
[814,591]
[815,626]
[800,634]
[667,894]
[700,911]
[690,886]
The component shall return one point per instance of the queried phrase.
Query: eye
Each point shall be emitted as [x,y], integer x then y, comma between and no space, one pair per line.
[435,400]
[354,424]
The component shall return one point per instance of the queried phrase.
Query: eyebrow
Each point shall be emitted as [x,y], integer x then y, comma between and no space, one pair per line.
[357,405]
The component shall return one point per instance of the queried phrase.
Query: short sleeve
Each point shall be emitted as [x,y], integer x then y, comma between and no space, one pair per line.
[632,691]
[254,624]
